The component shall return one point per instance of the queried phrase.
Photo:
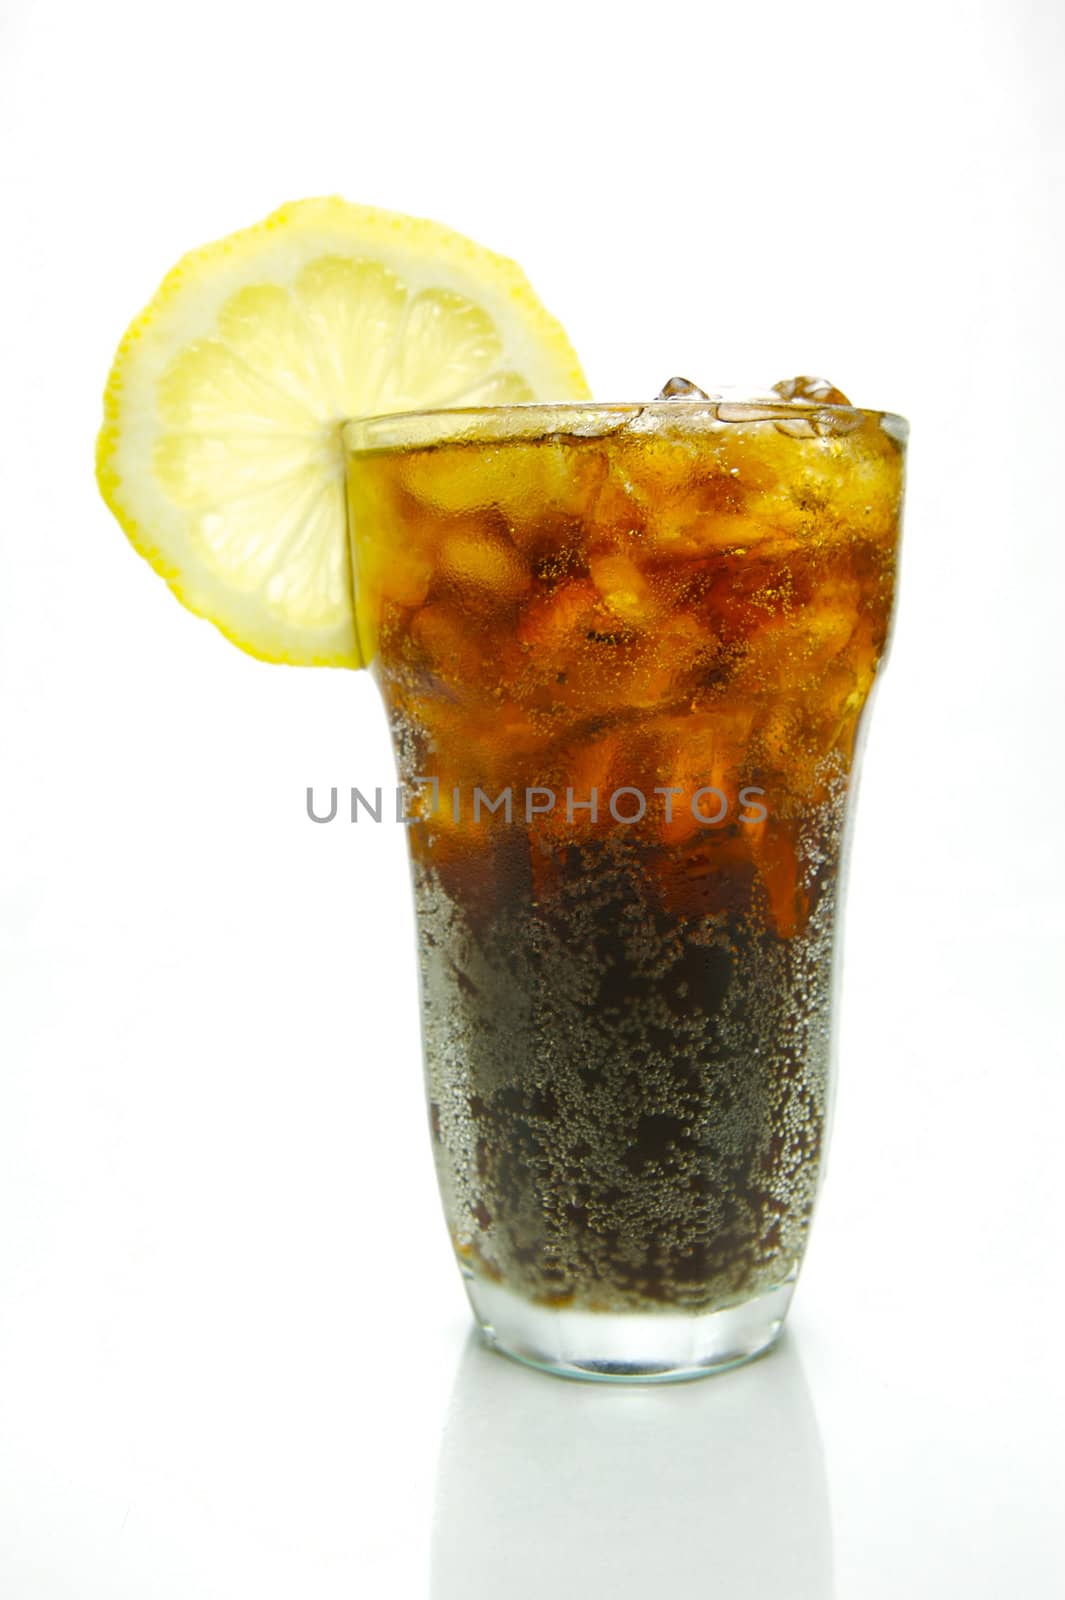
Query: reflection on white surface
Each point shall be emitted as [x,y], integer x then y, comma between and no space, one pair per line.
[548,1487]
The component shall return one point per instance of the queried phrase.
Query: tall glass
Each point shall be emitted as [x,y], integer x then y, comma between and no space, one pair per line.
[625,652]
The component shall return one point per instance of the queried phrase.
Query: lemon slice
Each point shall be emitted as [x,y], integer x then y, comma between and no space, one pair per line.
[220,451]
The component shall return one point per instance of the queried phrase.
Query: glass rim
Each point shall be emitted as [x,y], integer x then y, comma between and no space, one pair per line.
[529,420]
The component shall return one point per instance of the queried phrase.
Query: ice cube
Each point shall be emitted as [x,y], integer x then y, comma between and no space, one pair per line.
[477,560]
[819,391]
[681,389]
[830,414]
[623,586]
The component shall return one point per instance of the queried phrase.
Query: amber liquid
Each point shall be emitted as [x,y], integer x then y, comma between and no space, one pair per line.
[626,1012]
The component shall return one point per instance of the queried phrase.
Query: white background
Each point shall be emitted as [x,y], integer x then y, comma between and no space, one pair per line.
[233,1347]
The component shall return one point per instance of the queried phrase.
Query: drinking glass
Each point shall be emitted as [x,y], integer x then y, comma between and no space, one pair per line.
[625,652]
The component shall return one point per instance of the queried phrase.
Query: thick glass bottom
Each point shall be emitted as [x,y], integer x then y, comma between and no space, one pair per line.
[627,1347]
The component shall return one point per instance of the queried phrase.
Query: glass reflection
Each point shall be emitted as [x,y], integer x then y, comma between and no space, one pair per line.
[547,1487]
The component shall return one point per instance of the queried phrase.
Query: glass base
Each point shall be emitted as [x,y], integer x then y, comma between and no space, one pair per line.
[627,1347]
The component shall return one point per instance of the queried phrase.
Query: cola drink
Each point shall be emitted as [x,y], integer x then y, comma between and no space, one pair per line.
[625,653]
